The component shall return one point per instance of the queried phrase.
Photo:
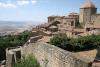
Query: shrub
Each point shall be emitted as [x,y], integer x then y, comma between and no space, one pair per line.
[29,61]
[76,44]
[60,40]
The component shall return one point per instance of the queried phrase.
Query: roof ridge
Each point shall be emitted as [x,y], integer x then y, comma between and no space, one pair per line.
[88,4]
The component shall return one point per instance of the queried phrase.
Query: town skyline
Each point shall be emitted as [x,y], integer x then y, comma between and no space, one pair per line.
[38,10]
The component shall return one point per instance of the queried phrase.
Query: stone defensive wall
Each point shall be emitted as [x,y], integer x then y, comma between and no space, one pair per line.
[52,56]
[47,55]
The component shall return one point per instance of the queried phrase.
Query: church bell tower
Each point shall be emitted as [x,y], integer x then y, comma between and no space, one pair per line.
[86,11]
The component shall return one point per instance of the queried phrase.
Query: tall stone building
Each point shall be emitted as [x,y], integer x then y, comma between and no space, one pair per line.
[86,22]
[87,10]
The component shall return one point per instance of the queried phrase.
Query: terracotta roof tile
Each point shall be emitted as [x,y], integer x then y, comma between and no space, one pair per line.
[88,4]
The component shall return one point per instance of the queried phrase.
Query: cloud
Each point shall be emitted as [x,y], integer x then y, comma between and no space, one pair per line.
[7,5]
[34,1]
[23,2]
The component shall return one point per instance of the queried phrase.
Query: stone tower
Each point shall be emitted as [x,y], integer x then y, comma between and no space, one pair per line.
[86,11]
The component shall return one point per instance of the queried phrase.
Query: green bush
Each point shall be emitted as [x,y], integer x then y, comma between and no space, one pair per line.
[76,44]
[60,40]
[29,61]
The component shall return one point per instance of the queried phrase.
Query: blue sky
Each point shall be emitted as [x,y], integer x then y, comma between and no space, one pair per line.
[38,10]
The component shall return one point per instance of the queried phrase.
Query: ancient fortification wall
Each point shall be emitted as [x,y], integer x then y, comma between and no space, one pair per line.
[51,56]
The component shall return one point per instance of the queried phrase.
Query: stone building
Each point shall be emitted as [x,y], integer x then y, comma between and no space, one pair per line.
[76,24]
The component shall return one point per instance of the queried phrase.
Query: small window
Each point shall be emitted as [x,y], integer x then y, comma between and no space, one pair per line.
[88,29]
[72,23]
[18,55]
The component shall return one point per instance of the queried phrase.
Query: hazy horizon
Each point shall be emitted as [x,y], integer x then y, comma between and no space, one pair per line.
[6,26]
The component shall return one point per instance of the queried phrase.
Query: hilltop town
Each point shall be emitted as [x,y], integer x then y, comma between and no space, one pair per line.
[84,23]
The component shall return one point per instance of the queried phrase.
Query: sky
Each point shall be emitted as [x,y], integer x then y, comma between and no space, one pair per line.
[38,10]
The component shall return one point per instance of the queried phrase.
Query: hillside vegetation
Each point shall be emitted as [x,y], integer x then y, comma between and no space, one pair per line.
[76,44]
[12,41]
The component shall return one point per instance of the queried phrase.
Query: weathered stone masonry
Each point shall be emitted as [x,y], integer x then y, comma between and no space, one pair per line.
[46,54]
[51,56]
